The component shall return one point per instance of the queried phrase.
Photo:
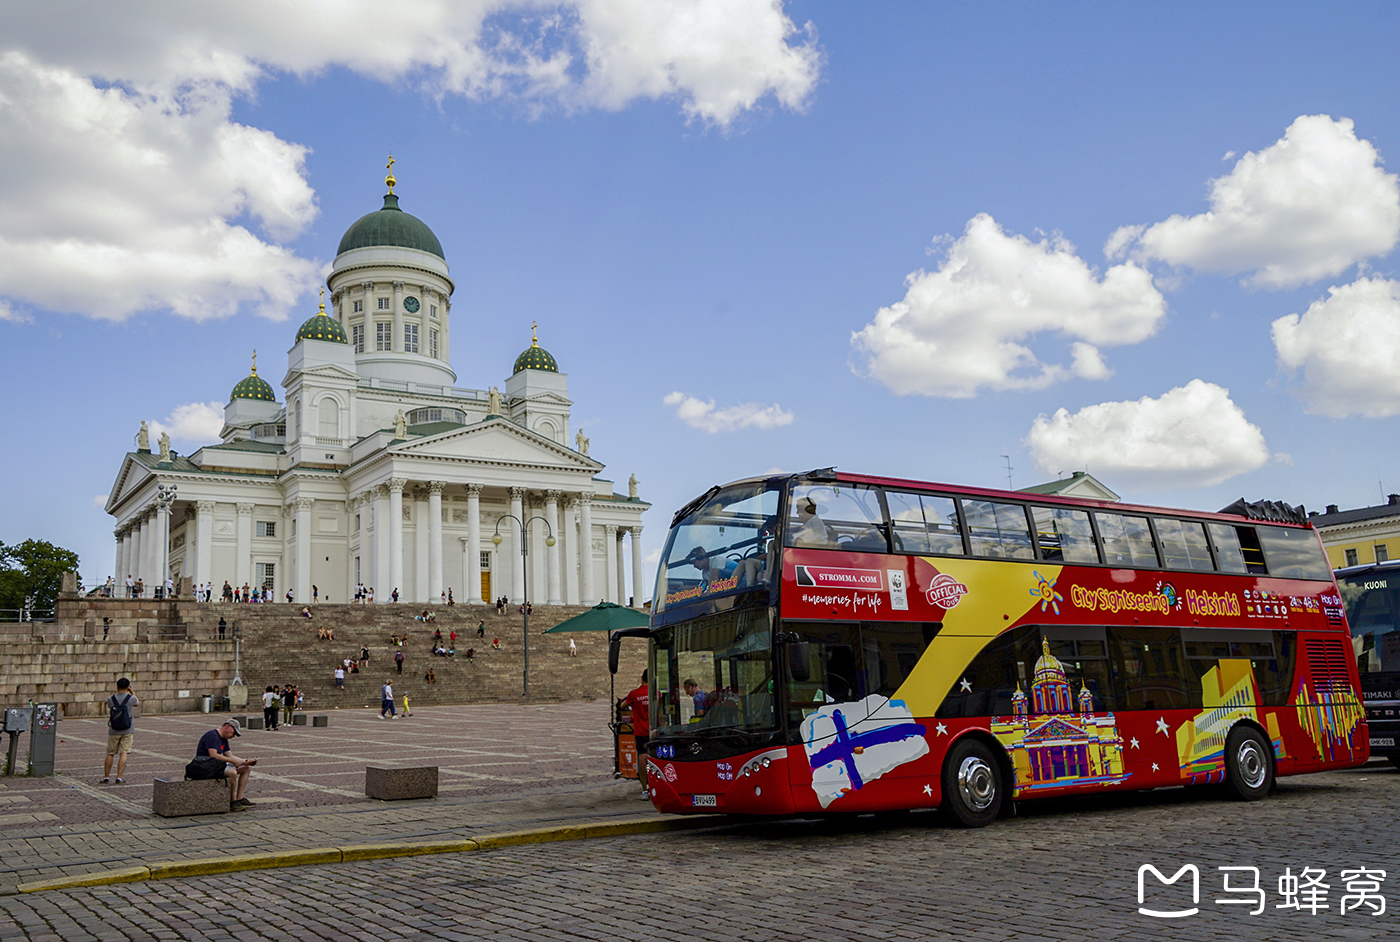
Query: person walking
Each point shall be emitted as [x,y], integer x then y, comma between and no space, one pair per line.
[386,700]
[121,730]
[573,648]
[271,701]
[398,659]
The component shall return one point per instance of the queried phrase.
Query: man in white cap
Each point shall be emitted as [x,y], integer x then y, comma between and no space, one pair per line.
[214,744]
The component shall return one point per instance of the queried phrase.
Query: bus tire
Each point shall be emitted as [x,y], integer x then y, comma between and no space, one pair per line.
[973,790]
[1249,766]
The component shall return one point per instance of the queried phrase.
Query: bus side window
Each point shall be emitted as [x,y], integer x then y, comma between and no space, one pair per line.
[890,650]
[1150,670]
[992,677]
[1237,548]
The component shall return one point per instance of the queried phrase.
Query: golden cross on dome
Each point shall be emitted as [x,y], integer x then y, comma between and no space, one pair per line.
[255,363]
[323,300]
[534,328]
[389,180]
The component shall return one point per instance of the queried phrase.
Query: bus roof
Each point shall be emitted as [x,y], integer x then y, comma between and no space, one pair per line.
[846,477]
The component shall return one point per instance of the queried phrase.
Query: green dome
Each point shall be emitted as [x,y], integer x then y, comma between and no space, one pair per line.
[535,358]
[391,226]
[253,387]
[322,327]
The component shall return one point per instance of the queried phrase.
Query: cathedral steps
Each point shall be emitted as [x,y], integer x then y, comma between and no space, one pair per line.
[172,653]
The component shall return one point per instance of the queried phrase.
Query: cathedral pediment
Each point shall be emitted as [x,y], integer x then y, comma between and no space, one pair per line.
[497,441]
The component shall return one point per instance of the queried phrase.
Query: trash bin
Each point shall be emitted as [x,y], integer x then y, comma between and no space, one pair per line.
[223,704]
[206,704]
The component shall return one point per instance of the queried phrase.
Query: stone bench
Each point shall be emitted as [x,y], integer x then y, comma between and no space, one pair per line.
[394,784]
[298,719]
[176,797]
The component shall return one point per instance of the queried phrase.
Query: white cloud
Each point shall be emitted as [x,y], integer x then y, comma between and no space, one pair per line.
[968,325]
[139,193]
[197,422]
[1193,436]
[1347,346]
[100,500]
[1309,206]
[698,413]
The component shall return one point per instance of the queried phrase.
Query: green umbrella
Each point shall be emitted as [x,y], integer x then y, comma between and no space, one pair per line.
[606,616]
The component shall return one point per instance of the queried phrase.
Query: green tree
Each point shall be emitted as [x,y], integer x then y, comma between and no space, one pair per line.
[33,568]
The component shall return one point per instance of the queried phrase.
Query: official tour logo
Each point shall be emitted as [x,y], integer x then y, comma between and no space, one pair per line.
[945,591]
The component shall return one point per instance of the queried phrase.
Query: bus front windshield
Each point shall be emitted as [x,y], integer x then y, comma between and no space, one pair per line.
[713,674]
[724,544]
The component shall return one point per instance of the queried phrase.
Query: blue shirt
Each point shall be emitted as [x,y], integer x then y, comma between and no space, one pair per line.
[211,740]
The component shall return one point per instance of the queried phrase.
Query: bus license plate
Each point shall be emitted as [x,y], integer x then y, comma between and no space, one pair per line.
[703,801]
[1375,741]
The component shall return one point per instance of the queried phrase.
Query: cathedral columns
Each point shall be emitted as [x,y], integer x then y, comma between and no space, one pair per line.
[147,541]
[435,587]
[638,589]
[568,551]
[396,486]
[473,561]
[421,578]
[517,567]
[585,550]
[243,561]
[610,552]
[204,557]
[133,566]
[381,543]
[303,549]
[551,516]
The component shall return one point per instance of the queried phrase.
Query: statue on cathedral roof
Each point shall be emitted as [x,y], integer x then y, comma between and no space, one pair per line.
[581,442]
[400,425]
[165,446]
[493,407]
[143,437]
[632,483]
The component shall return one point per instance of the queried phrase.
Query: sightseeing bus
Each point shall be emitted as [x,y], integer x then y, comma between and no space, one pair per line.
[1371,595]
[831,642]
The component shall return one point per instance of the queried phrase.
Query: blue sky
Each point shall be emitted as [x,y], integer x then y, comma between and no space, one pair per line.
[904,238]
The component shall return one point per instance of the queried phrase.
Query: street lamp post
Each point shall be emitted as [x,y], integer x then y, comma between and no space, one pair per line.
[525,576]
[165,496]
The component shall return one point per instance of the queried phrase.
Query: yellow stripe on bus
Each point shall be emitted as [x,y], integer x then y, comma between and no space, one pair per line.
[998,597]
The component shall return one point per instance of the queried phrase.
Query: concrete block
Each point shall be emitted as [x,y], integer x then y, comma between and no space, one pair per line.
[174,797]
[394,784]
[321,720]
[298,719]
[255,722]
[242,719]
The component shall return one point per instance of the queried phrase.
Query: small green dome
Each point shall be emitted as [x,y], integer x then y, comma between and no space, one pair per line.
[253,387]
[390,226]
[322,327]
[535,358]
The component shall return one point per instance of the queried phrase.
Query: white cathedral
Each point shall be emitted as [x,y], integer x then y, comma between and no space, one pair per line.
[376,469]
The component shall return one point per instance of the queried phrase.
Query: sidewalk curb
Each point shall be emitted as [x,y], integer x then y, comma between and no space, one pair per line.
[357,852]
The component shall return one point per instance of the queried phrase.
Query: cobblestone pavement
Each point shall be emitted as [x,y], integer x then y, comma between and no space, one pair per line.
[1057,870]
[501,767]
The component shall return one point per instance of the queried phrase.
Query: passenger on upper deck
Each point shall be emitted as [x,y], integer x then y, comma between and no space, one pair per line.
[811,530]
[700,559]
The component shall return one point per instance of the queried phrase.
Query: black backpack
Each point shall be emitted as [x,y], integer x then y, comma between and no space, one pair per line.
[119,714]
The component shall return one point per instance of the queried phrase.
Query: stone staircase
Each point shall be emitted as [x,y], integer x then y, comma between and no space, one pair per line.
[280,646]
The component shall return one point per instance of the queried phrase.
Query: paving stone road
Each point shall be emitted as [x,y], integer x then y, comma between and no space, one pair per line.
[1057,870]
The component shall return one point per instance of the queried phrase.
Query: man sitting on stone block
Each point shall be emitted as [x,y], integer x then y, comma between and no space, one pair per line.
[213,752]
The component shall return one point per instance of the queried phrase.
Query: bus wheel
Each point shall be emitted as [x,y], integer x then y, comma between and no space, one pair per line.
[972,787]
[1249,771]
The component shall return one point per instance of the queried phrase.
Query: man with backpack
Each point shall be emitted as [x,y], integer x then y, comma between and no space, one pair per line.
[121,730]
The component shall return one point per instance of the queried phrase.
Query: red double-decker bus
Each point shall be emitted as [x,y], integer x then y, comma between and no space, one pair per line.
[833,642]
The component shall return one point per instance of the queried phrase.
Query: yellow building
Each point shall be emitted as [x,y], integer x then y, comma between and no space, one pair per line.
[1362,536]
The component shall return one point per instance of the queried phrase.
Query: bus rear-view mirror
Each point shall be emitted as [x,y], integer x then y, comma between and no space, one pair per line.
[799,660]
